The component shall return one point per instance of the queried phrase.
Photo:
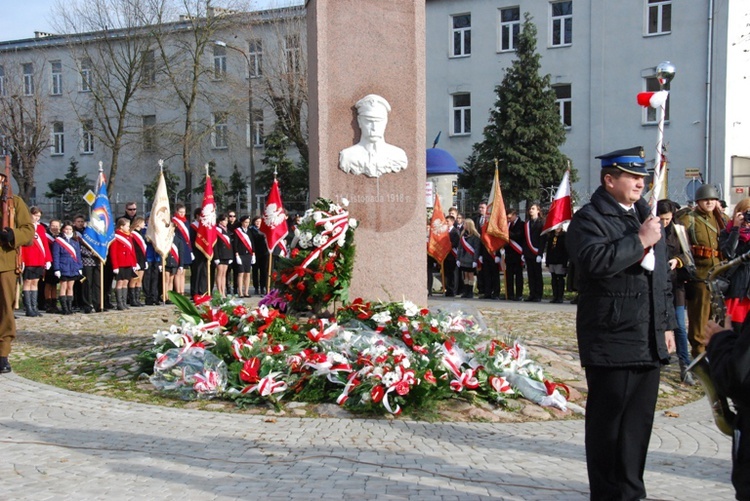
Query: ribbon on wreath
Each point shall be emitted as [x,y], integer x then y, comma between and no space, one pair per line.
[206,382]
[267,386]
[324,330]
[463,380]
[238,344]
[339,226]
[351,383]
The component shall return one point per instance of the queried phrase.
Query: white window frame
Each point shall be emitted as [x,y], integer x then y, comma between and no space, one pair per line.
[220,62]
[564,104]
[87,137]
[56,82]
[292,53]
[258,130]
[562,22]
[460,115]
[655,9]
[85,73]
[3,90]
[219,130]
[255,58]
[650,116]
[464,35]
[148,123]
[507,27]
[28,79]
[57,145]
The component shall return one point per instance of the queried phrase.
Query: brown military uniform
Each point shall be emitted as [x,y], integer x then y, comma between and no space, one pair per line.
[703,232]
[24,234]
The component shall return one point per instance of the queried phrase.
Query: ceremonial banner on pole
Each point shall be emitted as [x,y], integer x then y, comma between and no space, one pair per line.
[160,230]
[561,210]
[100,231]
[274,224]
[439,243]
[495,231]
[206,235]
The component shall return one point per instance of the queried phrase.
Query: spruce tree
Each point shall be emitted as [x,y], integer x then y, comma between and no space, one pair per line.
[237,192]
[70,191]
[524,131]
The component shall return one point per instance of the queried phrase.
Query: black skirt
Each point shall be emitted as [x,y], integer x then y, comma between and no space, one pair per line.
[33,272]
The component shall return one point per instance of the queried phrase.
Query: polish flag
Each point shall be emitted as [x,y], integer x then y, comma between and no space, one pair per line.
[561,210]
[206,235]
[653,99]
[273,224]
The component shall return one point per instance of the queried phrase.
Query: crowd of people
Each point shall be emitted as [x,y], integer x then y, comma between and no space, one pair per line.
[470,268]
[64,268]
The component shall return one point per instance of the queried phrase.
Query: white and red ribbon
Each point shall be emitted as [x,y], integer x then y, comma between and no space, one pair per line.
[339,226]
[65,245]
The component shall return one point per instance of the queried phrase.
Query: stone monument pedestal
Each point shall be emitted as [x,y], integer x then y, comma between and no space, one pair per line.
[356,48]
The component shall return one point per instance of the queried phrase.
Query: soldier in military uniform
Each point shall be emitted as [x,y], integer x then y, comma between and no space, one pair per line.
[703,225]
[11,240]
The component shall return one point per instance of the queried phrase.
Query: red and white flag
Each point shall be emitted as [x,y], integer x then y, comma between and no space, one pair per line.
[273,224]
[561,210]
[653,99]
[439,243]
[206,236]
[495,232]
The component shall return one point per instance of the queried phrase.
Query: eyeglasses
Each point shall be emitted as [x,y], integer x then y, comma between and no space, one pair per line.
[232,215]
[131,208]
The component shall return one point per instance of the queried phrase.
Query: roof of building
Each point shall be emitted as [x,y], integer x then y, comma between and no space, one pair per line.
[440,162]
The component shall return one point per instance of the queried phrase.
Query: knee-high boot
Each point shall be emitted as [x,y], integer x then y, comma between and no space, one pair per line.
[120,298]
[27,303]
[35,303]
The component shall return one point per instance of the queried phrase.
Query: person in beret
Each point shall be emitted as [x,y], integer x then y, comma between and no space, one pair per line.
[625,325]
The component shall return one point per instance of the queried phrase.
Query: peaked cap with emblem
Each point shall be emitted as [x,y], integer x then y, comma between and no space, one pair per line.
[629,160]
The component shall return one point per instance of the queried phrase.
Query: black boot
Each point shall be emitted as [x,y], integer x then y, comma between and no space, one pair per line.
[4,365]
[63,305]
[35,303]
[137,297]
[120,298]
[27,304]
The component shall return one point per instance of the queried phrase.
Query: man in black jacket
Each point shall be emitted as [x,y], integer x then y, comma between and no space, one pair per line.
[625,326]
[729,361]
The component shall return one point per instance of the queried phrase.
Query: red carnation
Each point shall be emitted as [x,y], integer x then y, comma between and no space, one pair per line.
[318,277]
[239,311]
[295,253]
[300,286]
[329,266]
[333,280]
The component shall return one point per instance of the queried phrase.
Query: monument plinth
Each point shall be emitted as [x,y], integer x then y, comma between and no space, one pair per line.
[359,48]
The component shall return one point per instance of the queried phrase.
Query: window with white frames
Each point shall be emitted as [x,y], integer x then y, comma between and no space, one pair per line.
[2,81]
[149,133]
[219,130]
[87,136]
[58,138]
[28,79]
[461,35]
[148,68]
[461,114]
[650,115]
[255,57]
[564,103]
[86,76]
[220,62]
[510,27]
[258,130]
[56,75]
[659,17]
[293,52]
[561,23]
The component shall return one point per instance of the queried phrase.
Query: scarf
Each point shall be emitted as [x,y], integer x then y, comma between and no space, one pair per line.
[744,231]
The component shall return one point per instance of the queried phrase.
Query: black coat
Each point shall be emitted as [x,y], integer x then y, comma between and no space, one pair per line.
[556,252]
[625,308]
[516,232]
[533,235]
[739,278]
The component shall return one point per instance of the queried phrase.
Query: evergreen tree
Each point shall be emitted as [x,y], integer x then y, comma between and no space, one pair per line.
[237,192]
[219,187]
[293,178]
[172,181]
[524,131]
[70,191]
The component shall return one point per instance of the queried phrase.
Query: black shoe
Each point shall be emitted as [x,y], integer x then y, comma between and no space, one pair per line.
[449,294]
[88,309]
[4,365]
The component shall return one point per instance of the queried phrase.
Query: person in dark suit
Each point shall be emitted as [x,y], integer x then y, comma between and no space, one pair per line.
[488,273]
[449,263]
[455,234]
[624,323]
[533,249]
[514,258]
[260,267]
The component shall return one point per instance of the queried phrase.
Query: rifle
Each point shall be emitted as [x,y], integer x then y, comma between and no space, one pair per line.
[8,208]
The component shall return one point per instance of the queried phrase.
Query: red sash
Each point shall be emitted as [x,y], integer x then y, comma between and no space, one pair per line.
[533,249]
[468,248]
[175,254]
[40,244]
[65,245]
[223,236]
[244,238]
[124,241]
[138,238]
[183,229]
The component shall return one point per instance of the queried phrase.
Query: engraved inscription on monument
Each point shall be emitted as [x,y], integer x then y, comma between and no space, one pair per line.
[372,156]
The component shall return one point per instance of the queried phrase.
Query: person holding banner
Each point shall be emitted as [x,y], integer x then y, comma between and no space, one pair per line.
[68,265]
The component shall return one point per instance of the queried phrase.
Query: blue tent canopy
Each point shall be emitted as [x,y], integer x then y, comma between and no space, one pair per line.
[440,162]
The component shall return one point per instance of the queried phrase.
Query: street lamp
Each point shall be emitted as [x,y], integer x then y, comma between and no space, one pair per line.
[250,119]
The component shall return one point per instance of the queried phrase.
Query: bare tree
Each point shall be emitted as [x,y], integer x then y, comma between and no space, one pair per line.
[23,120]
[111,48]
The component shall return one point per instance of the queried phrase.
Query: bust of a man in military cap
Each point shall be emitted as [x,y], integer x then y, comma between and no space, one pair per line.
[372,156]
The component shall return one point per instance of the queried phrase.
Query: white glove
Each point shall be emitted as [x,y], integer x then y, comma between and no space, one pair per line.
[58,274]
[137,267]
[539,259]
[180,268]
[146,267]
[252,260]
[160,268]
[116,271]
[216,262]
[80,272]
[497,259]
[47,265]
[474,264]
[239,259]
[192,256]
[230,261]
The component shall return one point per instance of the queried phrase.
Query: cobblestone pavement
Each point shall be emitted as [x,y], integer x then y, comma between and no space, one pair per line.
[57,444]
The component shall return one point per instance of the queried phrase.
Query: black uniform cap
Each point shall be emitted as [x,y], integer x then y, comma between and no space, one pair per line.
[628,160]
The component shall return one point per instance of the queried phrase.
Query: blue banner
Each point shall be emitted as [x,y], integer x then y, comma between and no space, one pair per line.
[100,231]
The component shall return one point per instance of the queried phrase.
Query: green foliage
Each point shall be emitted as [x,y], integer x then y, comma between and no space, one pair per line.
[172,181]
[524,132]
[70,190]
[294,179]
[219,186]
[237,190]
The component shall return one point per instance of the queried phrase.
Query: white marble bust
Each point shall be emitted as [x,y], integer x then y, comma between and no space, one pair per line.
[372,156]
